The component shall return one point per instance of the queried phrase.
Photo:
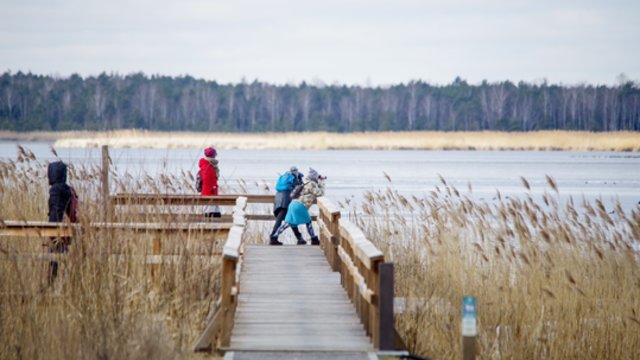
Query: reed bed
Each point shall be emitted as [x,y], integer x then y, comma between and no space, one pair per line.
[421,140]
[553,280]
[104,303]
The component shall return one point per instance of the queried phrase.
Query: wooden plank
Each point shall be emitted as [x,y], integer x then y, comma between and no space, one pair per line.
[157,250]
[363,248]
[301,344]
[289,330]
[104,180]
[227,304]
[187,199]
[327,206]
[329,340]
[36,232]
[166,227]
[231,248]
[357,278]
[147,259]
[288,327]
[44,229]
[199,217]
[207,338]
[385,338]
[300,355]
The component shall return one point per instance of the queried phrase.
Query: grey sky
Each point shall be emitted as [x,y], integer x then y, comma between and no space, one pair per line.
[345,41]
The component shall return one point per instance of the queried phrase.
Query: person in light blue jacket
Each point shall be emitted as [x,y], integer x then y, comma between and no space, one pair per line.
[286,183]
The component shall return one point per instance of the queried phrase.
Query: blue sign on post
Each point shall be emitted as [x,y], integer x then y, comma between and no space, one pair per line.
[469,315]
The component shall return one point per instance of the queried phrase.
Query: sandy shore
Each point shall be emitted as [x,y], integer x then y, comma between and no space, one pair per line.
[541,140]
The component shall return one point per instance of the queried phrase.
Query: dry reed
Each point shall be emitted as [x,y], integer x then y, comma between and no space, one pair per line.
[552,281]
[104,303]
[423,140]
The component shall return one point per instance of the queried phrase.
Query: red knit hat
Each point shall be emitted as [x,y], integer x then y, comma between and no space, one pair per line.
[210,152]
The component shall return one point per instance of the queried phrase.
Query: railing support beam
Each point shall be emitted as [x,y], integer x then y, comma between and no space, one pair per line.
[385,306]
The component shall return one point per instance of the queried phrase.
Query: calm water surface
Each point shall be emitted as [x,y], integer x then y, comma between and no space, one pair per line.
[592,175]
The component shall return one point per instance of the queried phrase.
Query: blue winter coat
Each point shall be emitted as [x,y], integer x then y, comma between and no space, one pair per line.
[283,198]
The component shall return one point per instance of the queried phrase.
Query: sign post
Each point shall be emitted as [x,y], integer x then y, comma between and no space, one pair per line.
[469,327]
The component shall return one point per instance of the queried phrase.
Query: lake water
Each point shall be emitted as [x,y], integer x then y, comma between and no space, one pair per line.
[350,173]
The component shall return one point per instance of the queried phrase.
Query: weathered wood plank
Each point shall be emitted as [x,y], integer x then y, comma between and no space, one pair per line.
[291,300]
[231,248]
[187,199]
[208,335]
[363,248]
[44,229]
[327,206]
[300,355]
[299,344]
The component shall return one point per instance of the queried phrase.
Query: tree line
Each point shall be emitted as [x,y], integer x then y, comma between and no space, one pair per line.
[112,101]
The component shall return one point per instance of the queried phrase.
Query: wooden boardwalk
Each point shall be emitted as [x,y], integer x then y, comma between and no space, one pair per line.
[291,305]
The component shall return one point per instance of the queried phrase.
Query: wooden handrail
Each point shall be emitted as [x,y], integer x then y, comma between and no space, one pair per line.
[231,248]
[187,199]
[44,229]
[367,280]
[217,332]
[363,248]
[327,206]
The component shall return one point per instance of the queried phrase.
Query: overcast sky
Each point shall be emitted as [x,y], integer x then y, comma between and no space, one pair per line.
[363,42]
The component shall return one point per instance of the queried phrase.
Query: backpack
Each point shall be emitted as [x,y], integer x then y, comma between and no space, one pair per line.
[284,182]
[295,193]
[199,182]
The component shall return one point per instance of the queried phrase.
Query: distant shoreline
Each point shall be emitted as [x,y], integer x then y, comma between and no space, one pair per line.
[420,140]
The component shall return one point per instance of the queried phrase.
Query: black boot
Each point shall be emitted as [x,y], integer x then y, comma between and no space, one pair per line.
[298,235]
[315,241]
[274,241]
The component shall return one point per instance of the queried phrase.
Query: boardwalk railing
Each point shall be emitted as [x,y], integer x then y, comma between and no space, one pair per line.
[217,333]
[187,199]
[42,229]
[366,278]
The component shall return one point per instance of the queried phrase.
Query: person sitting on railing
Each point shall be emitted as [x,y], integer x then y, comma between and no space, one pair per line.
[286,183]
[62,200]
[298,213]
[210,172]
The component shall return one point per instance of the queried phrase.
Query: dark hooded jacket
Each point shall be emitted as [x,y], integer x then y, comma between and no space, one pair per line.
[62,198]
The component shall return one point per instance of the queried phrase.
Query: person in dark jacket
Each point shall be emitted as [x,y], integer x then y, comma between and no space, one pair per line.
[62,201]
[286,183]
[210,172]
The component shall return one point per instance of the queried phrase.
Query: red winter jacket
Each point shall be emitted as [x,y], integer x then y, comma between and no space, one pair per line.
[209,175]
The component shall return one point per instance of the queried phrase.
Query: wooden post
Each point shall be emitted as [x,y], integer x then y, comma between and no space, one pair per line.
[469,331]
[386,334]
[334,228]
[105,182]
[155,267]
[227,305]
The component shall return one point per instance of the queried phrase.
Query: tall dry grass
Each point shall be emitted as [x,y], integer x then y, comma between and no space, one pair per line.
[423,140]
[104,303]
[553,280]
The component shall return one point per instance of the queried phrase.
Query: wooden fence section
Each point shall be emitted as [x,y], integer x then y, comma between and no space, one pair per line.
[26,228]
[365,277]
[217,332]
[43,229]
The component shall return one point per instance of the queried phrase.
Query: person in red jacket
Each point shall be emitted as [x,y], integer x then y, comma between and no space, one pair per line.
[209,171]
